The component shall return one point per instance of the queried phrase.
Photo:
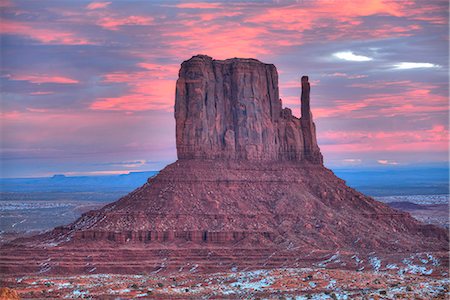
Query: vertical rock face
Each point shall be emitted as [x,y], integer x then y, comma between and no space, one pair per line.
[231,109]
[311,149]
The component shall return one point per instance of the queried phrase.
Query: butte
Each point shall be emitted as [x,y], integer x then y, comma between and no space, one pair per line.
[249,190]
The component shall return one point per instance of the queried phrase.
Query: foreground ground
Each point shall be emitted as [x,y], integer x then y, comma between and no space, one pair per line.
[286,283]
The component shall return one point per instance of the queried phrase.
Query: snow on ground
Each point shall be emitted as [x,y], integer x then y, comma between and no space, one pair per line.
[291,283]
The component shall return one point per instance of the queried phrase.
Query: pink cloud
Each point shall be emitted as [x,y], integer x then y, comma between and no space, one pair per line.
[339,74]
[334,20]
[113,23]
[267,29]
[435,139]
[303,15]
[218,40]
[76,135]
[161,71]
[132,102]
[379,84]
[152,89]
[38,110]
[44,79]
[42,34]
[409,100]
[10,115]
[153,71]
[386,162]
[97,5]
[199,5]
[297,84]
[40,93]
[6,3]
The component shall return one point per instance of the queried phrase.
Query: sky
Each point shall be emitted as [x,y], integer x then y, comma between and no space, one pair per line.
[88,88]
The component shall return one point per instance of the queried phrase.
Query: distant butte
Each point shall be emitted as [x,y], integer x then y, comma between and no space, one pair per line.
[249,190]
[230,109]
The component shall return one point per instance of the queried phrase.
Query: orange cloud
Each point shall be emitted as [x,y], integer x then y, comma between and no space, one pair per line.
[44,79]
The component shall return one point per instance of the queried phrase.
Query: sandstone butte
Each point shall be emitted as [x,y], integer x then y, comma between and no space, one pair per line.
[249,191]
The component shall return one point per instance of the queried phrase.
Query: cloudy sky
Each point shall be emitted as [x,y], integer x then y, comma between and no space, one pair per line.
[88,87]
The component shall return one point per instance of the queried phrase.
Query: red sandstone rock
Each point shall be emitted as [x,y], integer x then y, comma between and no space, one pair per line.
[230,109]
[249,190]
[8,294]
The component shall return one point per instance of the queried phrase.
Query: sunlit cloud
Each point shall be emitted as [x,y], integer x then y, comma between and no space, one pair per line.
[44,79]
[199,5]
[97,5]
[350,56]
[37,110]
[10,115]
[414,65]
[110,60]
[132,102]
[386,162]
[43,33]
[219,41]
[348,76]
[405,98]
[435,139]
[114,23]
[147,90]
[41,93]
[352,161]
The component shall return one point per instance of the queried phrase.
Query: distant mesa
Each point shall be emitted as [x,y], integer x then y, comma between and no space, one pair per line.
[249,190]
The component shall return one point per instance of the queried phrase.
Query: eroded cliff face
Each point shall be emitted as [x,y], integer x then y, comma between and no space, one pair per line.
[230,109]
